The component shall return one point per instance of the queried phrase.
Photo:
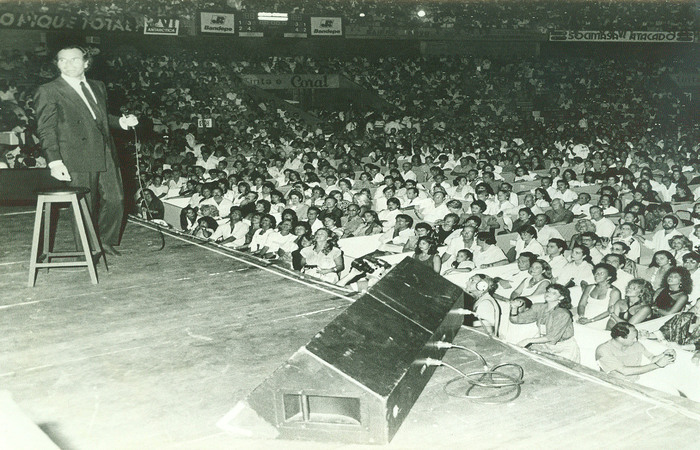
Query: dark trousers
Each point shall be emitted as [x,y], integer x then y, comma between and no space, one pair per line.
[105,200]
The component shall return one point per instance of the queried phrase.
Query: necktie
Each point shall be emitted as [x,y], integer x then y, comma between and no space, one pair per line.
[90,99]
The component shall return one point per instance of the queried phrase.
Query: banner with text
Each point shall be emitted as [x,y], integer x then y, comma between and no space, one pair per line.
[622,36]
[217,23]
[66,22]
[292,81]
[326,26]
[162,27]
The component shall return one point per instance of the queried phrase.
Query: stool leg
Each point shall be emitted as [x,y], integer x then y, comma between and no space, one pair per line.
[84,240]
[35,241]
[46,247]
[94,240]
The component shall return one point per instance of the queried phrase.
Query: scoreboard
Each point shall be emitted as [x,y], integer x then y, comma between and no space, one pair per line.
[248,24]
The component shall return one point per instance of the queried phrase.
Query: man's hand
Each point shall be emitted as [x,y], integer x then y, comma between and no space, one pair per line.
[664,359]
[59,170]
[128,121]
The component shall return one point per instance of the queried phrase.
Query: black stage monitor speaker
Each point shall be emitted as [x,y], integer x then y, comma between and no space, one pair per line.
[358,378]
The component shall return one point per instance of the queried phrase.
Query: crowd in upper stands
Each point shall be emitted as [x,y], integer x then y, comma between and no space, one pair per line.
[473,16]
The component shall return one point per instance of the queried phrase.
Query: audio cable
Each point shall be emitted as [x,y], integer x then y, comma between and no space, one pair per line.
[491,385]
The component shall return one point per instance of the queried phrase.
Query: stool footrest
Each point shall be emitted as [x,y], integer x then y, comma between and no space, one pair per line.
[63,264]
[69,254]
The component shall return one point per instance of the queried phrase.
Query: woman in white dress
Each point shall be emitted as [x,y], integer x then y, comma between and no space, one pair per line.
[323,259]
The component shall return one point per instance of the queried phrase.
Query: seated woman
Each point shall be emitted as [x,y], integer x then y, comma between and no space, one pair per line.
[525,219]
[188,219]
[323,259]
[542,198]
[672,296]
[636,306]
[254,226]
[684,330]
[296,203]
[151,207]
[554,321]
[512,278]
[421,229]
[259,244]
[579,270]
[695,214]
[527,242]
[426,253]
[661,262]
[598,299]
[683,194]
[680,245]
[537,283]
[371,224]
[303,240]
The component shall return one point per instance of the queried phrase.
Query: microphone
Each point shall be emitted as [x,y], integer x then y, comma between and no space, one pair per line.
[125,116]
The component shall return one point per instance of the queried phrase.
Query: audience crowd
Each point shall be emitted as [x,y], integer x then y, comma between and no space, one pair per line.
[579,213]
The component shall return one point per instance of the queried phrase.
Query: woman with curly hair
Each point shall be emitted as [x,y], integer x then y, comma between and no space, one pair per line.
[672,296]
[323,259]
[680,246]
[426,253]
[554,322]
[636,306]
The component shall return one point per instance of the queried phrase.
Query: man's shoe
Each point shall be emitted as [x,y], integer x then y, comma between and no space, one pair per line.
[108,249]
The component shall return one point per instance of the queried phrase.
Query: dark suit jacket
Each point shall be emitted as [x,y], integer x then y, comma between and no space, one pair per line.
[67,130]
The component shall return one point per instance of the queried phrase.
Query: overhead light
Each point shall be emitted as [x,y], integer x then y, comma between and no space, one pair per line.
[421,13]
[362,14]
[273,17]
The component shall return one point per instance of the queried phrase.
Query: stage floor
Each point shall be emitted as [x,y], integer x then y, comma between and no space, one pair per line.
[170,340]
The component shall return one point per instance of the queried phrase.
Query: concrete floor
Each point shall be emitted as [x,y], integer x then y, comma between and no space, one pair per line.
[169,341]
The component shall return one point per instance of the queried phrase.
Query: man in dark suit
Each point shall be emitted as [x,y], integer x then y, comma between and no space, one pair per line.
[73,127]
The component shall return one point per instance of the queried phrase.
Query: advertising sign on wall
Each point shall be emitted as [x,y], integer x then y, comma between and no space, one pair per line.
[163,27]
[217,23]
[621,36]
[311,81]
[326,26]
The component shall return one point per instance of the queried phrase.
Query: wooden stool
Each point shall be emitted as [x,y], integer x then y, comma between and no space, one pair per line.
[88,239]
